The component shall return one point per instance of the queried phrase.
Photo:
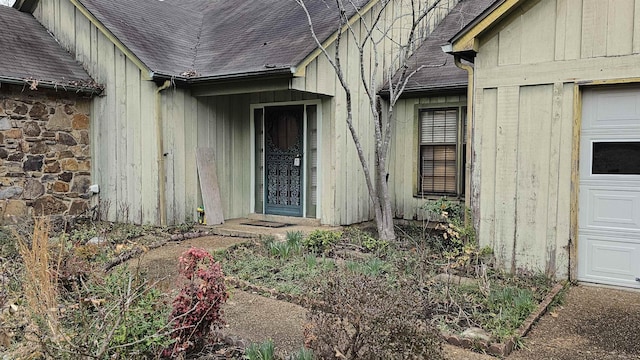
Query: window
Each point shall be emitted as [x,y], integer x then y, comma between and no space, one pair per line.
[616,158]
[442,151]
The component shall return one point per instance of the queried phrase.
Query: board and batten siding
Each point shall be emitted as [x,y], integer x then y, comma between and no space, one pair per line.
[528,70]
[123,125]
[349,200]
[404,155]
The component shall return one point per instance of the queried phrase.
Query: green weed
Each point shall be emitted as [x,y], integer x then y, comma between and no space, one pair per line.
[320,241]
[263,351]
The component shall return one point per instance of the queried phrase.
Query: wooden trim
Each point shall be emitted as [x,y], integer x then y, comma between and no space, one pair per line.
[575,182]
[469,39]
[146,72]
[581,71]
[632,80]
[301,68]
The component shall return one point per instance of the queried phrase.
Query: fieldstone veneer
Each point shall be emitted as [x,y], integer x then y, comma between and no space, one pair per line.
[45,160]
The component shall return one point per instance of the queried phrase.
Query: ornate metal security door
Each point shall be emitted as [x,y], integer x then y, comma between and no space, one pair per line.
[283,159]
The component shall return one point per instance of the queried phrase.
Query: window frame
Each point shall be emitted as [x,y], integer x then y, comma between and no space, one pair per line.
[461,121]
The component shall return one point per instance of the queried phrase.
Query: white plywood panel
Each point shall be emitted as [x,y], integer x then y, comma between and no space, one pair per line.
[572,30]
[209,186]
[149,153]
[510,40]
[561,29]
[506,177]
[620,25]
[532,200]
[563,224]
[538,33]
[555,147]
[121,135]
[636,27]
[191,190]
[485,130]
[134,150]
[488,56]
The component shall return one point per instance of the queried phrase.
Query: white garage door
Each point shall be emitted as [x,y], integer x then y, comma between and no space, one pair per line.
[609,203]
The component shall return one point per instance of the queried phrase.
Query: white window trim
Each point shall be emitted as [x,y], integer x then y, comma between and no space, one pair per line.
[459,106]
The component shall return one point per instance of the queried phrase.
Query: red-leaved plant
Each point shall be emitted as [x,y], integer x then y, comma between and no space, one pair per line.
[198,307]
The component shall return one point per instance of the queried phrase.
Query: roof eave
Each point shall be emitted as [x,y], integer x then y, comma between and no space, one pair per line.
[419,91]
[52,85]
[465,43]
[212,79]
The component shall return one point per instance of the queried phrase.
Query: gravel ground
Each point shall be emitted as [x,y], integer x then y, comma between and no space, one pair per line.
[594,323]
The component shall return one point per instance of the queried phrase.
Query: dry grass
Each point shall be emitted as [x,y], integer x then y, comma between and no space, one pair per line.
[41,281]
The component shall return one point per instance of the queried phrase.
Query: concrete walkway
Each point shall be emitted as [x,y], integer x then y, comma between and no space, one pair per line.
[594,323]
[239,227]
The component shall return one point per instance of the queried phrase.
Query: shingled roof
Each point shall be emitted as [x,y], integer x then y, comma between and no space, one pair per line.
[440,72]
[208,39]
[29,54]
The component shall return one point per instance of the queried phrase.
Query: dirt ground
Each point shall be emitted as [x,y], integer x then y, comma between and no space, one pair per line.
[594,322]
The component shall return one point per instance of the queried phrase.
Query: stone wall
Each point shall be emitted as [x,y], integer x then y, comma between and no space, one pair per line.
[45,160]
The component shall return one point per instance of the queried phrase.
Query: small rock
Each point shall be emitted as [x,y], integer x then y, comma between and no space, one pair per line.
[10,192]
[96,240]
[5,123]
[33,189]
[476,334]
[454,279]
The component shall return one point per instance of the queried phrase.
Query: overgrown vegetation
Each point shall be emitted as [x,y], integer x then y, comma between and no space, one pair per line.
[57,302]
[442,263]
[372,319]
[197,310]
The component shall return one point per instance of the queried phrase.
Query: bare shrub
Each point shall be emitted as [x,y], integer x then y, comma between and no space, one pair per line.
[370,319]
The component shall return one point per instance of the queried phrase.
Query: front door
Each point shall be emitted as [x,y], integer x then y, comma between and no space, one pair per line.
[283,129]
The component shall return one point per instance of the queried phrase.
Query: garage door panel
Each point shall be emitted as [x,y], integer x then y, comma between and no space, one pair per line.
[619,108]
[609,193]
[607,261]
[610,209]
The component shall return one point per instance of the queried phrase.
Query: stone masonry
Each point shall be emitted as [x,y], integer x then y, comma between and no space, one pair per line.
[45,160]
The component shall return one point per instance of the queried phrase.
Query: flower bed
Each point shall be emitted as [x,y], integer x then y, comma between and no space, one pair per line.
[471,294]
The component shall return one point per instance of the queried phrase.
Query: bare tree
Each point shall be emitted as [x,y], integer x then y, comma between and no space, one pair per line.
[378,30]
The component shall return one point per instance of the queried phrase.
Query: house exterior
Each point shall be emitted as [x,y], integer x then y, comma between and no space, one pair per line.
[429,151]
[244,79]
[45,100]
[555,134]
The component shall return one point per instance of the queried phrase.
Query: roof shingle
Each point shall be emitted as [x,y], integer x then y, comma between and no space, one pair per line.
[29,52]
[215,38]
[439,72]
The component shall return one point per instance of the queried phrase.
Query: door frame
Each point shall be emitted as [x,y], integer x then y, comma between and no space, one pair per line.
[305,174]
